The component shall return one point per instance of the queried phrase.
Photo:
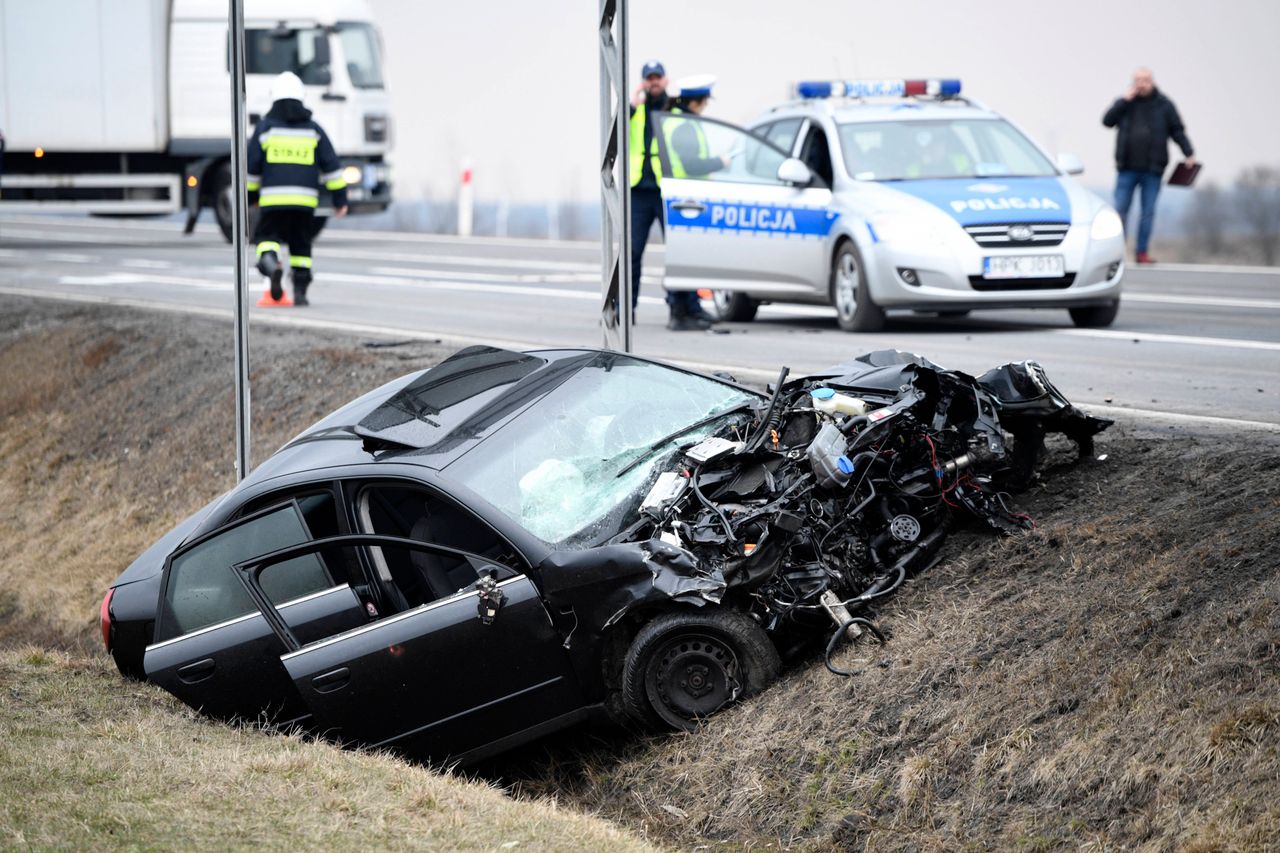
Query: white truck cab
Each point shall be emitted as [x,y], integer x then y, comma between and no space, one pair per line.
[149,131]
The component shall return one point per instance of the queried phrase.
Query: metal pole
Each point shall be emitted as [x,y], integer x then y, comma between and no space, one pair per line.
[239,214]
[615,194]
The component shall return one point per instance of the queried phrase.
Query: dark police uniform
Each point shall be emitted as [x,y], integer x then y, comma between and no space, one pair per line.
[289,157]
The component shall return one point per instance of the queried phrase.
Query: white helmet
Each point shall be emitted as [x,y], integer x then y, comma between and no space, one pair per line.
[287,85]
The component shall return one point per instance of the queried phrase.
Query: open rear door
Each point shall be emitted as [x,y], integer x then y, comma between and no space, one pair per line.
[732,222]
[450,678]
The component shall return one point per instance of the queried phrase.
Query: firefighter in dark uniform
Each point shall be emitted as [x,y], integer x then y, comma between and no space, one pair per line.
[290,156]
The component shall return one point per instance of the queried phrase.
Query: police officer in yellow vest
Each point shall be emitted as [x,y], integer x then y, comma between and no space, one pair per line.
[643,169]
[690,157]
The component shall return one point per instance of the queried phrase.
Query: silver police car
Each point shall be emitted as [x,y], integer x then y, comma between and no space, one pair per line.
[880,195]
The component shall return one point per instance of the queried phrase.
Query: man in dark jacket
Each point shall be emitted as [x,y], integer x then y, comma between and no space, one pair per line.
[289,157]
[1147,120]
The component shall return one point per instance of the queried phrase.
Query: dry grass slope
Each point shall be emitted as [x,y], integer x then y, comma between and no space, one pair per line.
[113,426]
[1110,681]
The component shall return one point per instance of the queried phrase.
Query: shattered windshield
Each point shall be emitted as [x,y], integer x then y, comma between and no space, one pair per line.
[573,468]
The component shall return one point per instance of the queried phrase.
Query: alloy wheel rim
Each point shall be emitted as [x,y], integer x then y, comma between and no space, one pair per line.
[847,286]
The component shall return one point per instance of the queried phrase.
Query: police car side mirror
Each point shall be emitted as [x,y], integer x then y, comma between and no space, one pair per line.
[1070,164]
[793,171]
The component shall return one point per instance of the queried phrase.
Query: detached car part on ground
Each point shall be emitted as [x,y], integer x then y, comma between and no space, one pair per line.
[481,553]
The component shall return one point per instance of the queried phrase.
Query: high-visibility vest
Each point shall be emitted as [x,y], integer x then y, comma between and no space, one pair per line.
[635,149]
[669,128]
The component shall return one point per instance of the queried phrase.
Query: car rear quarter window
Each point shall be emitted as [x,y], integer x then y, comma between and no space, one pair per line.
[202,588]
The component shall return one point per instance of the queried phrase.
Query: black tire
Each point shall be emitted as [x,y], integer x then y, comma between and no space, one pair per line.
[685,666]
[855,311]
[734,307]
[220,201]
[1095,316]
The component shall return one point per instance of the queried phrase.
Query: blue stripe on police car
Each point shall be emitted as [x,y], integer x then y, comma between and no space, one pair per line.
[993,200]
[750,218]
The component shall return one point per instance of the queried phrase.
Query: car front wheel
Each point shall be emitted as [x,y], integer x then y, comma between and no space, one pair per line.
[855,312]
[1095,316]
[685,666]
[734,307]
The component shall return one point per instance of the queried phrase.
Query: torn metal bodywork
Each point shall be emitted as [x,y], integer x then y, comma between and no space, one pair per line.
[828,497]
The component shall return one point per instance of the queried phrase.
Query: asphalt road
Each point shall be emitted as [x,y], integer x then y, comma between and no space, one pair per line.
[1190,341]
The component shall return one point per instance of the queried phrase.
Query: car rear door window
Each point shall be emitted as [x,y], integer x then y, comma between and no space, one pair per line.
[202,588]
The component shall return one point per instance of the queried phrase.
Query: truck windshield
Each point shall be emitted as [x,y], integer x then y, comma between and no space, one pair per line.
[364,63]
[305,52]
[950,148]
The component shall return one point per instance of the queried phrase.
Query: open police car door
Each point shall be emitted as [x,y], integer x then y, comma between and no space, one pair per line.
[739,214]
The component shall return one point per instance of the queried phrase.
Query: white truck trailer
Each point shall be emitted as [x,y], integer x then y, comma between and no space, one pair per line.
[123,107]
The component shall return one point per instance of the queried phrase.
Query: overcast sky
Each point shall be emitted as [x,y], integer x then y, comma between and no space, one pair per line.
[514,84]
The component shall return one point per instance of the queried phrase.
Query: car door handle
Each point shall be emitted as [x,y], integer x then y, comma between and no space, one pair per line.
[695,206]
[333,680]
[332,96]
[195,672]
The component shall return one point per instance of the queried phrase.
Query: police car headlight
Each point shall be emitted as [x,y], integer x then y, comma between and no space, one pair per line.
[1106,225]
[903,228]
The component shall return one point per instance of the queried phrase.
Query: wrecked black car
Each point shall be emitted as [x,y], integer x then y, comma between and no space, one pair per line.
[498,547]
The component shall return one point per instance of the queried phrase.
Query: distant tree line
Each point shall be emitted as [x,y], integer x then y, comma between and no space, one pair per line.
[1222,222]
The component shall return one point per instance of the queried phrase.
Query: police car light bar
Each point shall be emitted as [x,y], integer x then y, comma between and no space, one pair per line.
[877,88]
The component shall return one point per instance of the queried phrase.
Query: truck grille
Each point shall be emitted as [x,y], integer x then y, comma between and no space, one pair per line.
[1000,235]
[985,285]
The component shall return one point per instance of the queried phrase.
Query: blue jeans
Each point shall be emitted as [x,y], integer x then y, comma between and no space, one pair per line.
[1127,180]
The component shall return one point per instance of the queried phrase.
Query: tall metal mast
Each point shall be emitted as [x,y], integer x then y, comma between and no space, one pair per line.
[615,196]
[239,214]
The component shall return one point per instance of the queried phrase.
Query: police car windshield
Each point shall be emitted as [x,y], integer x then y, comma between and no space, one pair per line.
[946,148]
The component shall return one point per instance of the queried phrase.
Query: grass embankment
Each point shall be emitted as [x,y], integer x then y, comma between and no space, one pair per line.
[113,426]
[1109,681]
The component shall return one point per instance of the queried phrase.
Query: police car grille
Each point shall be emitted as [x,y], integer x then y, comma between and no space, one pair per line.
[997,235]
[977,282]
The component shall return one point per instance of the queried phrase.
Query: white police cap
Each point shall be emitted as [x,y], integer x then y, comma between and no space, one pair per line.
[697,86]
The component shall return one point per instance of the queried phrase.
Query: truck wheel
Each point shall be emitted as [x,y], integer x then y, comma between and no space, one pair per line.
[855,312]
[220,201]
[735,307]
[1095,316]
[685,666]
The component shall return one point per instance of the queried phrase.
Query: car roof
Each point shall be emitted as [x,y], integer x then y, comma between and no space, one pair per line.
[843,110]
[410,420]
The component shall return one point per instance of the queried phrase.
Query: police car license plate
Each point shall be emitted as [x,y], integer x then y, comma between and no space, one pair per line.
[1024,266]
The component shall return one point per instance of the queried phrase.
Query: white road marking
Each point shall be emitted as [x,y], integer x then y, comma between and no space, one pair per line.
[1157,338]
[1213,268]
[1212,301]
[147,264]
[461,260]
[64,237]
[467,340]
[69,257]
[113,279]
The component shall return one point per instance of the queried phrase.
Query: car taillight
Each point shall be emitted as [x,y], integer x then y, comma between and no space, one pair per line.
[105,618]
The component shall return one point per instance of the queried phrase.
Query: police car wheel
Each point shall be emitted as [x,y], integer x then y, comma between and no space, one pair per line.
[734,307]
[1095,316]
[855,312]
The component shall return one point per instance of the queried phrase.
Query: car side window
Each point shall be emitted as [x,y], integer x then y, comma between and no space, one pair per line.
[816,154]
[704,149]
[414,512]
[781,134]
[202,588]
